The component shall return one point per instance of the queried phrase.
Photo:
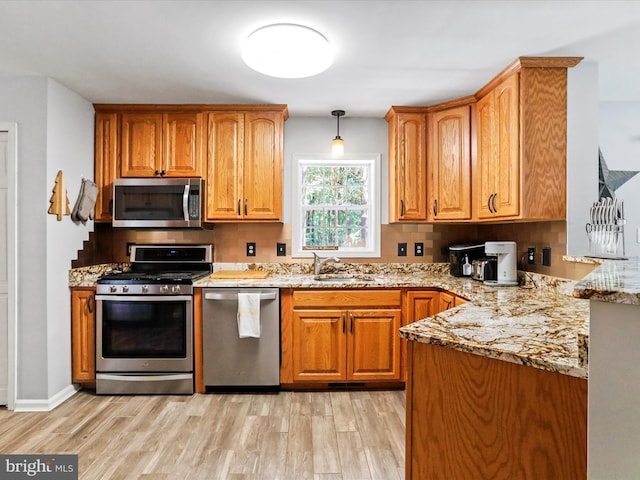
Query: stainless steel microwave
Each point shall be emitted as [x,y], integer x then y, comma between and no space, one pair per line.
[158,202]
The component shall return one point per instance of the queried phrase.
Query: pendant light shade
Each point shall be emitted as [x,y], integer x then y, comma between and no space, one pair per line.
[337,144]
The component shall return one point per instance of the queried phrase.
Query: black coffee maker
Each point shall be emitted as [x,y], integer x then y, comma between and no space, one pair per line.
[461,257]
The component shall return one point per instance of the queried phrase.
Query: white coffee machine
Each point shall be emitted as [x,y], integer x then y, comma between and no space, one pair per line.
[507,275]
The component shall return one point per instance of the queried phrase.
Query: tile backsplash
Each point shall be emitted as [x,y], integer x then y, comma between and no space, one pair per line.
[107,244]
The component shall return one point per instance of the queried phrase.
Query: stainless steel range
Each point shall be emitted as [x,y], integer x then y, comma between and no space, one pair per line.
[144,321]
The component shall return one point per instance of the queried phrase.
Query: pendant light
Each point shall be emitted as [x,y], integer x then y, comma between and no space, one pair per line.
[337,145]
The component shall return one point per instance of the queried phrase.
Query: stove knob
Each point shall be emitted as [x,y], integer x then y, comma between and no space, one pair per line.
[125,288]
[164,289]
[175,289]
[112,289]
[145,288]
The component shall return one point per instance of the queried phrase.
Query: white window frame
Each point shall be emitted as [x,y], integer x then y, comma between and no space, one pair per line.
[372,250]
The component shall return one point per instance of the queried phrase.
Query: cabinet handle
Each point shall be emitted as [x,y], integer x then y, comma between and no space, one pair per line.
[163,173]
[110,207]
[493,203]
[489,203]
[402,208]
[344,323]
[239,207]
[90,304]
[435,207]
[156,172]
[351,323]
[246,206]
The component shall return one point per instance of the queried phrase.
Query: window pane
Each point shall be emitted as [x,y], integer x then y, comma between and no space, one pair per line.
[335,201]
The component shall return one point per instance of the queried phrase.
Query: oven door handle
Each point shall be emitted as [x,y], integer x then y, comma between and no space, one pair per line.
[185,203]
[123,377]
[234,296]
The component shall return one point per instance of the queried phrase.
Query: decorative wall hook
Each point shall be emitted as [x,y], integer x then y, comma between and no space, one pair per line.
[59,200]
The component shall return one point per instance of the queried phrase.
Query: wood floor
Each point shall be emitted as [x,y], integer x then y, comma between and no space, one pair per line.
[289,435]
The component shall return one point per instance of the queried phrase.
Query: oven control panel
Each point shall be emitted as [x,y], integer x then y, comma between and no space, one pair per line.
[144,289]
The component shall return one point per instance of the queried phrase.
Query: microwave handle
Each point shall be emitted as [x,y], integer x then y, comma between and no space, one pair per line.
[185,203]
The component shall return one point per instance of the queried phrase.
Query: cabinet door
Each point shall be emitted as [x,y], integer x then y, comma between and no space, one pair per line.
[83,338]
[106,163]
[319,345]
[449,164]
[507,176]
[182,134]
[498,169]
[141,144]
[225,147]
[487,155]
[407,168]
[262,175]
[447,301]
[373,344]
[419,304]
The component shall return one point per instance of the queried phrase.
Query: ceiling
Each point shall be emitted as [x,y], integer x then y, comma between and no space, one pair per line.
[388,52]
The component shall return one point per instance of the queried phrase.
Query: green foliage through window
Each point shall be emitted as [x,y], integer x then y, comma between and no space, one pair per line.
[335,204]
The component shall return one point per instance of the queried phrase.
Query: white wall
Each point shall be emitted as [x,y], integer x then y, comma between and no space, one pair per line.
[582,153]
[54,128]
[619,138]
[23,100]
[307,135]
[70,134]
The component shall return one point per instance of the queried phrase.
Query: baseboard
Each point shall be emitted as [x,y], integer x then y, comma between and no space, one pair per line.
[4,395]
[47,405]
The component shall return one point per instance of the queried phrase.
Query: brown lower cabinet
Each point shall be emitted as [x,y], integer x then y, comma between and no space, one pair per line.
[340,336]
[83,335]
[470,416]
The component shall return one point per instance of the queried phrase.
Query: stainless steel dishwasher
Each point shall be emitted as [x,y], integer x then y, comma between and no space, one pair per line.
[234,363]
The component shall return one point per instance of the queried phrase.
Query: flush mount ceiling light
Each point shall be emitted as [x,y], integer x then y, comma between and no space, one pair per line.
[286,50]
[337,144]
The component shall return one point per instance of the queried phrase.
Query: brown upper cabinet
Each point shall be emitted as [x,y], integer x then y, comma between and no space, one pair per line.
[244,144]
[449,164]
[407,164]
[245,166]
[156,144]
[520,172]
[105,163]
[497,155]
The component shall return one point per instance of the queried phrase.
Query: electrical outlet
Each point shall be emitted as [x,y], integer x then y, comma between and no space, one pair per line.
[531,255]
[402,249]
[281,249]
[546,256]
[129,245]
[418,249]
[251,249]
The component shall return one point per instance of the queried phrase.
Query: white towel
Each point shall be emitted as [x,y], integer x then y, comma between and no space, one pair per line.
[249,315]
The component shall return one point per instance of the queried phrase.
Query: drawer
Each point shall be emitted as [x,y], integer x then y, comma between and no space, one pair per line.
[346,298]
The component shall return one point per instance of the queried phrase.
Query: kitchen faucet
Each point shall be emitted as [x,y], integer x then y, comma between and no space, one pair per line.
[317,263]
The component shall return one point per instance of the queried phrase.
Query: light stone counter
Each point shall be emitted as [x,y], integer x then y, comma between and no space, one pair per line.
[536,324]
[615,281]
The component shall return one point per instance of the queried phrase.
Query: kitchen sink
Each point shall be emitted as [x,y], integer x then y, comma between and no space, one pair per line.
[344,277]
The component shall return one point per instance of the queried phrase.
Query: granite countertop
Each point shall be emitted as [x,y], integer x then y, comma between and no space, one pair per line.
[537,324]
[615,281]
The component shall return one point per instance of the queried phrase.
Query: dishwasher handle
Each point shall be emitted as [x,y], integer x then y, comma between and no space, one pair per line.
[234,296]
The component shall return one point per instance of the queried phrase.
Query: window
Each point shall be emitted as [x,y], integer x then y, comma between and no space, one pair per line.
[336,206]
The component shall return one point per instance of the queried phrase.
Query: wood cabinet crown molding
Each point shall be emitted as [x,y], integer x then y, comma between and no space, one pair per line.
[191,107]
[527,62]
